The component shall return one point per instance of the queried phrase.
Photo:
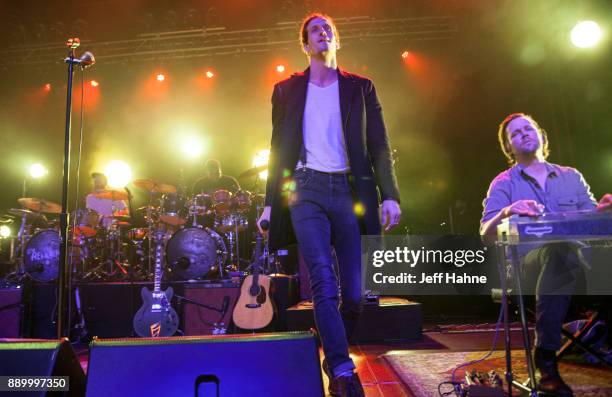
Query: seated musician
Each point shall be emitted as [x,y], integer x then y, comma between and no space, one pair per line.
[104,206]
[530,187]
[214,180]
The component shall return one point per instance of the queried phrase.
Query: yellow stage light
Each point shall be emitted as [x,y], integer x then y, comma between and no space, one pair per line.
[261,158]
[37,171]
[192,147]
[5,231]
[118,173]
[586,34]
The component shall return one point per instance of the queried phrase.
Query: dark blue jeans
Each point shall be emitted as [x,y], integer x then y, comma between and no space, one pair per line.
[323,215]
[553,272]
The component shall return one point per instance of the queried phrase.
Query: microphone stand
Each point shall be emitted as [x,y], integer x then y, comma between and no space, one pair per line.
[63,281]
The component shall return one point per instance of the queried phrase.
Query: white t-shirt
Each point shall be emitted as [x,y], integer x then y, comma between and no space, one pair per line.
[322,125]
[104,207]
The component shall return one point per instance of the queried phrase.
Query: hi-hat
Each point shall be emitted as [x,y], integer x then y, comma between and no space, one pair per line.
[153,186]
[31,215]
[40,205]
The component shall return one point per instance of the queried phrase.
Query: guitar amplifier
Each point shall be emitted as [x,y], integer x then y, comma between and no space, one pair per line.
[200,320]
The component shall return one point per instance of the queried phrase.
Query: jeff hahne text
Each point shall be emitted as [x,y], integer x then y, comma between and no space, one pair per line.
[414,257]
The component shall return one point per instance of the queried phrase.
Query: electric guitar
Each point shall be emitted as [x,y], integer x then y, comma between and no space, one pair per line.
[156,317]
[254,309]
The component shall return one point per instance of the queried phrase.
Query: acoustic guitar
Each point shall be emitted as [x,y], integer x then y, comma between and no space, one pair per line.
[254,309]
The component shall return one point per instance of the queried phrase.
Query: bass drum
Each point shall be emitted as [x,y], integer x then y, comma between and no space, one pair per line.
[192,252]
[41,257]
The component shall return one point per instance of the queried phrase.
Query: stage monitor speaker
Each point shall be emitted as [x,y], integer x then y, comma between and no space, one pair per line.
[39,357]
[270,365]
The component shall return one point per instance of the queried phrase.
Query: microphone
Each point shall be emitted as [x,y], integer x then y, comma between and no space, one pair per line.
[86,60]
[265,225]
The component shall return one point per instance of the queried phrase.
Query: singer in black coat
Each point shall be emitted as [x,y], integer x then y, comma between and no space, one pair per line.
[372,174]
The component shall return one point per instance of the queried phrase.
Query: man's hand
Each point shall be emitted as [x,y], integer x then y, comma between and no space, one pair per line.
[605,204]
[523,207]
[390,214]
[265,216]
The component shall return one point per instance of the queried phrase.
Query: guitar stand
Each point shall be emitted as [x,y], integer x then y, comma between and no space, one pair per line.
[575,339]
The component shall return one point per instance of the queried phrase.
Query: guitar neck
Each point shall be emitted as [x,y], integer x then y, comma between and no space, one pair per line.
[257,267]
[158,260]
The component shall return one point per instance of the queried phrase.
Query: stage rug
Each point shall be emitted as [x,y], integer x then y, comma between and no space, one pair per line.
[422,372]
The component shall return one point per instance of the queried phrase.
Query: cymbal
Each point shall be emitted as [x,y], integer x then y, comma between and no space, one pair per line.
[40,205]
[153,186]
[253,171]
[145,208]
[110,194]
[120,218]
[28,214]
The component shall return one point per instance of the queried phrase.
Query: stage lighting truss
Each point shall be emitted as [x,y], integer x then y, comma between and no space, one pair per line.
[215,42]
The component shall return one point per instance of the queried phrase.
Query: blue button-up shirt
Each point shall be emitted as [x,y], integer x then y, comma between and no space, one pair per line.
[565,190]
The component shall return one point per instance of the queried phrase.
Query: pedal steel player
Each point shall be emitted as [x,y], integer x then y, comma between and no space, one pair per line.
[329,162]
[532,186]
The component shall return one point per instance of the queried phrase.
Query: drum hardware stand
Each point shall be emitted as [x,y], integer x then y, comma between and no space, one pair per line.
[80,328]
[530,386]
[19,274]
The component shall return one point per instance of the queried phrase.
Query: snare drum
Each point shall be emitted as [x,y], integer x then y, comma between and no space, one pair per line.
[231,223]
[200,204]
[172,209]
[138,234]
[85,225]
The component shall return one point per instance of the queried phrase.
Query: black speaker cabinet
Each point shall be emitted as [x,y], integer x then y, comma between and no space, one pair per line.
[11,311]
[267,365]
[39,357]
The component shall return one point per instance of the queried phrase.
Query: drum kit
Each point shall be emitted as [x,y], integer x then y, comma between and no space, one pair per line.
[201,236]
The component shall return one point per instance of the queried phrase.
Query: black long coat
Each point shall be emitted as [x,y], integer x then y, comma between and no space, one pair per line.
[373,177]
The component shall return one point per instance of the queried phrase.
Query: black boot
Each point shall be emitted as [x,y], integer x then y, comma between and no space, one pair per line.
[343,386]
[350,386]
[334,387]
[549,380]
